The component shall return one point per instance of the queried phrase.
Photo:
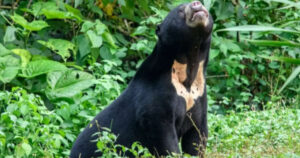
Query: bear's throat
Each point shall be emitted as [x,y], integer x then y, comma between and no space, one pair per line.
[188,82]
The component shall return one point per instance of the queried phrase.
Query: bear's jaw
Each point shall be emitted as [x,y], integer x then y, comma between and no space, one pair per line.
[196,14]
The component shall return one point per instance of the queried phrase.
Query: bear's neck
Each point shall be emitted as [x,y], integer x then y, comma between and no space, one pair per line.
[162,61]
[186,66]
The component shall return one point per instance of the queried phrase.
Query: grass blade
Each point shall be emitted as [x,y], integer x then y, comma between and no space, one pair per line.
[258,28]
[283,59]
[273,43]
[290,78]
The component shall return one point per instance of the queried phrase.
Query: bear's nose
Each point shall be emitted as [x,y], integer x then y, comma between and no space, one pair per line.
[196,5]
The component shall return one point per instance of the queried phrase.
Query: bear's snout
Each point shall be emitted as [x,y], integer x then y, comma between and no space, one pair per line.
[196,14]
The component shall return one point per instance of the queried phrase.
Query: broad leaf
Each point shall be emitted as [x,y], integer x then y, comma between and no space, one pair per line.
[38,7]
[56,14]
[27,148]
[76,13]
[9,67]
[61,47]
[39,67]
[68,83]
[86,26]
[24,54]
[4,51]
[139,31]
[10,34]
[96,40]
[109,39]
[35,25]
[19,20]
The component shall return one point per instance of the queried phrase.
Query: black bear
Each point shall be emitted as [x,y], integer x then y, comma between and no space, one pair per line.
[166,100]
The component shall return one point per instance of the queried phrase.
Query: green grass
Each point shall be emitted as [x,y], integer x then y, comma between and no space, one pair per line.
[269,133]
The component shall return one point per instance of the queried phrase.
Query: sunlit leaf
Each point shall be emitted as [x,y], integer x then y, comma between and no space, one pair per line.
[86,26]
[9,67]
[27,148]
[60,46]
[4,51]
[95,39]
[35,25]
[24,54]
[39,67]
[139,31]
[68,83]
[9,34]
[76,13]
[56,14]
[109,39]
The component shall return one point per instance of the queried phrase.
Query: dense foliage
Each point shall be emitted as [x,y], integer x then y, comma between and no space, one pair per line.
[61,62]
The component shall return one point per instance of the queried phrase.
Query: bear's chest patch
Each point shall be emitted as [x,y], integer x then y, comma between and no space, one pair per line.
[179,75]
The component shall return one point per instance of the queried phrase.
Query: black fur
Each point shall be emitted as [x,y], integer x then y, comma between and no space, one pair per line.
[149,110]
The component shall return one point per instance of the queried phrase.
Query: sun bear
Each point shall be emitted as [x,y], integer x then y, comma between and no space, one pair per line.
[166,101]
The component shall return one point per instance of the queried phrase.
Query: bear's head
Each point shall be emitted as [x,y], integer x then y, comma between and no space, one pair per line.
[186,25]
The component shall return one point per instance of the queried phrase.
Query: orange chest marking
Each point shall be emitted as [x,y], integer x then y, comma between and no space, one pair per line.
[179,75]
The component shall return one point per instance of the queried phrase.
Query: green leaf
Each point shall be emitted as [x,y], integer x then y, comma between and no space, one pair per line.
[56,14]
[10,34]
[100,27]
[4,51]
[290,78]
[35,25]
[84,46]
[38,7]
[258,28]
[39,67]
[287,2]
[68,83]
[95,39]
[283,59]
[19,151]
[76,13]
[77,3]
[213,53]
[274,43]
[60,46]
[139,31]
[9,67]
[27,148]
[105,53]
[121,2]
[24,54]
[109,39]
[19,20]
[86,26]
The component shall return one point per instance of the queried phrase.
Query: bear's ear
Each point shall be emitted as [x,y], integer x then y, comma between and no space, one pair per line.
[157,30]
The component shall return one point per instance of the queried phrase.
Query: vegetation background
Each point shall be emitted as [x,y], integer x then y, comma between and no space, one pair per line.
[63,61]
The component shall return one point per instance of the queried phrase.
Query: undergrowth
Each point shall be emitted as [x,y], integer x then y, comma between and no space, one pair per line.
[29,129]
